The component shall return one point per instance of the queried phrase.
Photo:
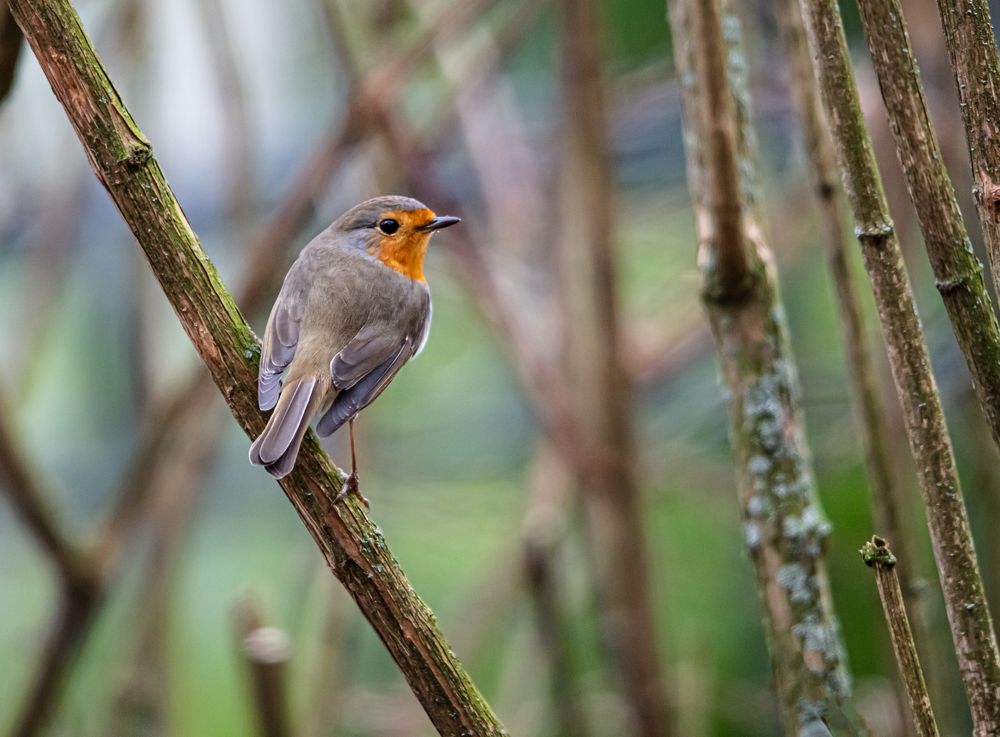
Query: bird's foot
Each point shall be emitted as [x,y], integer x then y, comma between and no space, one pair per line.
[351,486]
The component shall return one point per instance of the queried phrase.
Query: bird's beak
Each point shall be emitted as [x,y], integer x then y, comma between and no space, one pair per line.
[442,221]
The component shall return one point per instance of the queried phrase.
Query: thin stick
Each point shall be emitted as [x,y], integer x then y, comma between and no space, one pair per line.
[959,274]
[965,601]
[869,412]
[877,555]
[354,548]
[972,48]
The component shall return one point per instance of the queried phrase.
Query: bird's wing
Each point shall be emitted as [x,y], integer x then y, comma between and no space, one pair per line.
[364,368]
[364,390]
[281,338]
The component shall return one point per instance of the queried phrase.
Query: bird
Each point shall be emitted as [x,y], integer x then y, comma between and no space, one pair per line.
[354,307]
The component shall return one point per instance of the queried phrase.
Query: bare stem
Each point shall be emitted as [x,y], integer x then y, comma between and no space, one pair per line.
[959,274]
[876,554]
[972,47]
[965,601]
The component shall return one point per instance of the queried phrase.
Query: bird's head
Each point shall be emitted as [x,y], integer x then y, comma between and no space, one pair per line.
[395,230]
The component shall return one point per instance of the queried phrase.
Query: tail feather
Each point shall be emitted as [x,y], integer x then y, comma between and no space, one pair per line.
[278,445]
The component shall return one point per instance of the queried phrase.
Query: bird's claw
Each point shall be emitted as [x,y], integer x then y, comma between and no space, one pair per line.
[351,486]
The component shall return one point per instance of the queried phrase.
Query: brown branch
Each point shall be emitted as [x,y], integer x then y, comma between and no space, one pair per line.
[885,492]
[265,652]
[354,548]
[783,521]
[959,274]
[590,362]
[23,486]
[972,48]
[544,528]
[965,600]
[731,272]
[11,41]
[876,554]
[237,144]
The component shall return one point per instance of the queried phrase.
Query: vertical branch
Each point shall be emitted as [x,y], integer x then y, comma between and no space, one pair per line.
[265,652]
[972,48]
[959,274]
[783,522]
[591,362]
[876,554]
[237,144]
[544,528]
[965,601]
[886,496]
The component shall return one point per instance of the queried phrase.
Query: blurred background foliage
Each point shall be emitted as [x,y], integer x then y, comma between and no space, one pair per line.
[448,451]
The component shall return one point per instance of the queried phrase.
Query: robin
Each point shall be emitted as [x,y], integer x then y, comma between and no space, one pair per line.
[354,308]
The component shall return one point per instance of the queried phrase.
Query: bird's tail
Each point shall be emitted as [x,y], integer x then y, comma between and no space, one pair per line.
[278,446]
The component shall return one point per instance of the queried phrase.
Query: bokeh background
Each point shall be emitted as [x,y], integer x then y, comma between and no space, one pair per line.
[237,97]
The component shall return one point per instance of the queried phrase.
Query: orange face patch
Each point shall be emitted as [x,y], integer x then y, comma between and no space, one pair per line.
[404,250]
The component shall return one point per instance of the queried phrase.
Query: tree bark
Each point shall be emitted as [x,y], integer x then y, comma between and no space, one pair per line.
[972,47]
[354,548]
[965,601]
[783,522]
[959,274]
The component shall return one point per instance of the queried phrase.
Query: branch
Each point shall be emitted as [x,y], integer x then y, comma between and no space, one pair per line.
[265,652]
[783,522]
[959,274]
[972,47]
[728,279]
[352,545]
[11,41]
[886,495]
[29,501]
[589,360]
[877,555]
[965,601]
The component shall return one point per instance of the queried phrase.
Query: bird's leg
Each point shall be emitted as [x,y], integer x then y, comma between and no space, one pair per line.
[351,485]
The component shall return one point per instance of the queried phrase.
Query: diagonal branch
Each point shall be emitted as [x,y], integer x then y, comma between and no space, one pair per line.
[353,546]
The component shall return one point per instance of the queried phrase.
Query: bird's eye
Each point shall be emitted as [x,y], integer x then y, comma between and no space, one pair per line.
[388,226]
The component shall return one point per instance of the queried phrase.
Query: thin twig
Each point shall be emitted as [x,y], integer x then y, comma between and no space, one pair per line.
[959,274]
[355,549]
[22,484]
[783,522]
[972,48]
[885,492]
[965,600]
[876,554]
